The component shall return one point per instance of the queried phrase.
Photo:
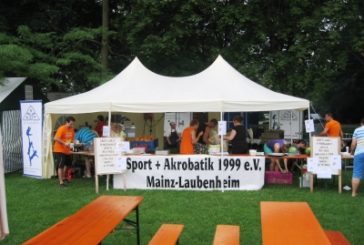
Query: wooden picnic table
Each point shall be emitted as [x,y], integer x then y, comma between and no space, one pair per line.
[92,223]
[290,223]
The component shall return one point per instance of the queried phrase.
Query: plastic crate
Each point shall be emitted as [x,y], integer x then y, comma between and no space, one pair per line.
[272,177]
[149,146]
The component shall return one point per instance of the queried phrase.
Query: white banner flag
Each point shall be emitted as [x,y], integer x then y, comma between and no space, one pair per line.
[31,120]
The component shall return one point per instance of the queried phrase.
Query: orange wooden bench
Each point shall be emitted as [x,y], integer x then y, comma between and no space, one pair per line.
[92,223]
[337,238]
[227,235]
[290,223]
[167,234]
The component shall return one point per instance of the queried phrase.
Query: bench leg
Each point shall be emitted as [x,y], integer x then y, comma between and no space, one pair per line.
[137,225]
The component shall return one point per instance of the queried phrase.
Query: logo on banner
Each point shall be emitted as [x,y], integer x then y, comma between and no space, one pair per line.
[31,152]
[30,114]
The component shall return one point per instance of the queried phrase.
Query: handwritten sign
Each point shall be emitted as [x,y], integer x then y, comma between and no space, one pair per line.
[108,156]
[325,149]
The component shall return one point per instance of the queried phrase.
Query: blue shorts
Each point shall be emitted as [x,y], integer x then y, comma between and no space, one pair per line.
[358,166]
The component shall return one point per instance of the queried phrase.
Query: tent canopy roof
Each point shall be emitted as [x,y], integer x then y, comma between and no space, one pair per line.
[8,84]
[137,89]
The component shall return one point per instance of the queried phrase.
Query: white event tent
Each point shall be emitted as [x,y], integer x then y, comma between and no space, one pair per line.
[219,88]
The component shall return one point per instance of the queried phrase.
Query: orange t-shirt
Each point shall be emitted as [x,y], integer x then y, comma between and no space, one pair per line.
[333,128]
[66,134]
[186,141]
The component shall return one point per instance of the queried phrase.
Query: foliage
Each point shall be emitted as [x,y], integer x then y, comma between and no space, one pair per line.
[312,49]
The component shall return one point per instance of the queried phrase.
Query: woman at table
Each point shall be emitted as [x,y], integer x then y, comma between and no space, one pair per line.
[188,138]
[357,149]
[237,137]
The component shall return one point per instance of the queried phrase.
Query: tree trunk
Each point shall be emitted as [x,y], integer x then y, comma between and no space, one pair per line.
[105,29]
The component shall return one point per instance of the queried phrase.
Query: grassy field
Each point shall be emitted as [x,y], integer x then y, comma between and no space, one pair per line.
[34,205]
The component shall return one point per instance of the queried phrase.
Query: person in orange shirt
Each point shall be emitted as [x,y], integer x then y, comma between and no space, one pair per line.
[63,140]
[189,138]
[332,127]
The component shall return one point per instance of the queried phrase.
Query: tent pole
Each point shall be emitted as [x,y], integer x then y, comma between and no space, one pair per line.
[222,151]
[309,118]
[109,123]
[290,127]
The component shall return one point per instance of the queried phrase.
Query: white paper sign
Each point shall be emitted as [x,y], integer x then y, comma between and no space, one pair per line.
[192,172]
[336,162]
[107,156]
[324,148]
[105,131]
[309,125]
[124,146]
[324,175]
[222,127]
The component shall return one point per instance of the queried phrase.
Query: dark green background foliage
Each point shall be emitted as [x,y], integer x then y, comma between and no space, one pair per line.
[312,49]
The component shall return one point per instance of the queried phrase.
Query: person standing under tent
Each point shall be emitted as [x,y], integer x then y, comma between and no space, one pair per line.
[189,138]
[357,149]
[172,138]
[63,140]
[332,127]
[100,123]
[86,136]
[211,136]
[237,137]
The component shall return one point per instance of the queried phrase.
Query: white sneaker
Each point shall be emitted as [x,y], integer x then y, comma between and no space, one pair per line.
[347,188]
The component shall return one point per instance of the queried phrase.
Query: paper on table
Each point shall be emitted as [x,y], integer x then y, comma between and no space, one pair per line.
[336,162]
[310,127]
[124,146]
[312,162]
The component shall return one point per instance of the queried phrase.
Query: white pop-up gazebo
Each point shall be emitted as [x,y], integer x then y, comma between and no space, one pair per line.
[219,88]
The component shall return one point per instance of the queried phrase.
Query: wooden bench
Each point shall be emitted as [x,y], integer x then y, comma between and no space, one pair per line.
[167,234]
[290,223]
[337,238]
[92,223]
[227,235]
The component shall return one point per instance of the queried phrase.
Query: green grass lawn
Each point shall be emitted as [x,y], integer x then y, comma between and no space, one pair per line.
[34,205]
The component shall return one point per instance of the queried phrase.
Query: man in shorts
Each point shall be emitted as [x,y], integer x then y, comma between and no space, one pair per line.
[63,140]
[357,149]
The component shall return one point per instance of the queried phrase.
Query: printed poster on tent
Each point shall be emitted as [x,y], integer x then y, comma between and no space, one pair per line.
[31,121]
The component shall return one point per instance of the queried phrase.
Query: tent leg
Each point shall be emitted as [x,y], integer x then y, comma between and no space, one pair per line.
[109,123]
[222,150]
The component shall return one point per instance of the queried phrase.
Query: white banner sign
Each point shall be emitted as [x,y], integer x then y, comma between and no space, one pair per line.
[192,172]
[108,155]
[31,120]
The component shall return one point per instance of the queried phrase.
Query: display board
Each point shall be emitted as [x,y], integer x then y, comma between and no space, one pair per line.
[31,123]
[290,121]
[325,151]
[108,156]
[192,172]
[182,120]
